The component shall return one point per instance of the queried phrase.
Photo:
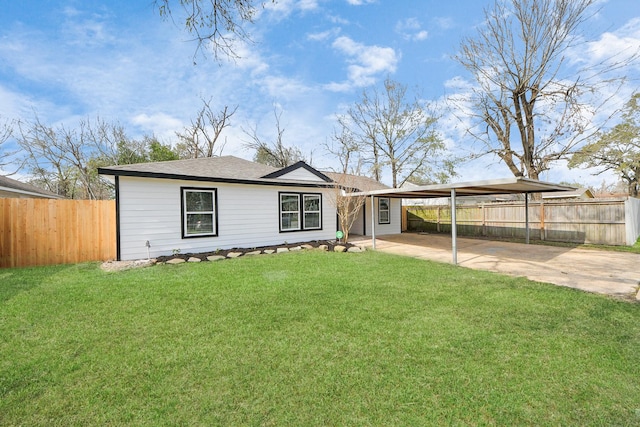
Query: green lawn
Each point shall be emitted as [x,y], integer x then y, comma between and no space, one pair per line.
[311,338]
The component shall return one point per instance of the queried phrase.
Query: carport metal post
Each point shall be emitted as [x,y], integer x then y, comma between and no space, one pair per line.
[526,217]
[454,232]
[373,225]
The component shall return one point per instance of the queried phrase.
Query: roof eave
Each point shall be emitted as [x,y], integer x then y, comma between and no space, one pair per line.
[162,175]
[485,187]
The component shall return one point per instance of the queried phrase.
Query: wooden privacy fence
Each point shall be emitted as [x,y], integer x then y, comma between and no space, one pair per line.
[45,232]
[589,221]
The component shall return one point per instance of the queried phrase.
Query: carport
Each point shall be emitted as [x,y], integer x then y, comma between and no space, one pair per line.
[524,186]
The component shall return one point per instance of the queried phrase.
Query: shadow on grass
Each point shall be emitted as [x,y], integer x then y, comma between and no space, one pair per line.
[14,281]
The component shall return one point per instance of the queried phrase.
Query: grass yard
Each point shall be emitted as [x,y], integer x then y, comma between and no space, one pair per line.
[311,338]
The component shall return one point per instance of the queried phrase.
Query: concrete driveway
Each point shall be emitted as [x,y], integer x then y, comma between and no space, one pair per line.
[605,272]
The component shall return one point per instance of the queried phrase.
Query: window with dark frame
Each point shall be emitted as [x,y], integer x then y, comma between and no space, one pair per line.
[384,210]
[199,212]
[311,211]
[289,212]
[300,211]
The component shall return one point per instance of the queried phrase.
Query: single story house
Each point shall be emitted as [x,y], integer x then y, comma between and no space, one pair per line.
[10,188]
[204,204]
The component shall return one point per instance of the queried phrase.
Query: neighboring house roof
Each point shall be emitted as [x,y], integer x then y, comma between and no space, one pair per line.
[12,188]
[580,193]
[232,169]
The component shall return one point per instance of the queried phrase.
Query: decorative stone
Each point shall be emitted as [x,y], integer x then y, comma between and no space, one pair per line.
[234,254]
[175,261]
[281,250]
[269,251]
[339,248]
[354,249]
[194,259]
[253,253]
[307,247]
[215,257]
[323,247]
[296,248]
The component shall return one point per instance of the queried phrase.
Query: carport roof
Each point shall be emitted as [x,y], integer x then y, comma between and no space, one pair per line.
[473,188]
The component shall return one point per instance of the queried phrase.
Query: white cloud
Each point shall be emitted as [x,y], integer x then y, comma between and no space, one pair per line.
[334,19]
[611,47]
[360,2]
[443,23]
[282,9]
[324,35]
[279,87]
[366,62]
[411,29]
[306,5]
[161,124]
[89,32]
[624,43]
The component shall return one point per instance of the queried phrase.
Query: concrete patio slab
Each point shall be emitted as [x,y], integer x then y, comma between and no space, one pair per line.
[604,272]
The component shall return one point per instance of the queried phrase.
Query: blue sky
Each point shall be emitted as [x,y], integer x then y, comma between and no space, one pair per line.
[68,60]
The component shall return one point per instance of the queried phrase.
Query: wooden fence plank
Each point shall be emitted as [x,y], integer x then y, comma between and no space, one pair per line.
[46,231]
[588,221]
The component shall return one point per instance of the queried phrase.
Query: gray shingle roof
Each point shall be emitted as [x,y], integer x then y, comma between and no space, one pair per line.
[223,167]
[8,185]
[230,169]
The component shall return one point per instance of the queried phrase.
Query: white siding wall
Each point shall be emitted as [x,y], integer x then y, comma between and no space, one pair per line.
[358,227]
[394,227]
[301,174]
[248,216]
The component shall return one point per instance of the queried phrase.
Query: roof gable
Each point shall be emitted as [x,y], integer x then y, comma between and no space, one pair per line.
[299,171]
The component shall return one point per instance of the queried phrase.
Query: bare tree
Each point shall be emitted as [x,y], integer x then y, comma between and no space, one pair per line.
[65,160]
[395,132]
[528,110]
[617,150]
[346,181]
[201,138]
[275,153]
[6,155]
[216,25]
[362,130]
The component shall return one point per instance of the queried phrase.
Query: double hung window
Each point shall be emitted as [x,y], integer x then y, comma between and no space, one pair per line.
[384,210]
[299,211]
[199,212]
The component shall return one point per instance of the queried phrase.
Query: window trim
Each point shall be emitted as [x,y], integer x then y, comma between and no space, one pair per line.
[301,211]
[184,213]
[305,212]
[280,212]
[388,210]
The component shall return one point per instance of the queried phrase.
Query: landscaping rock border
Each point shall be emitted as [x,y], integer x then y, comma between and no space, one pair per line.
[220,254]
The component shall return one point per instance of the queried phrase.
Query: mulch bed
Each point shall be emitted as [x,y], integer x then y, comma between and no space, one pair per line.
[331,244]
